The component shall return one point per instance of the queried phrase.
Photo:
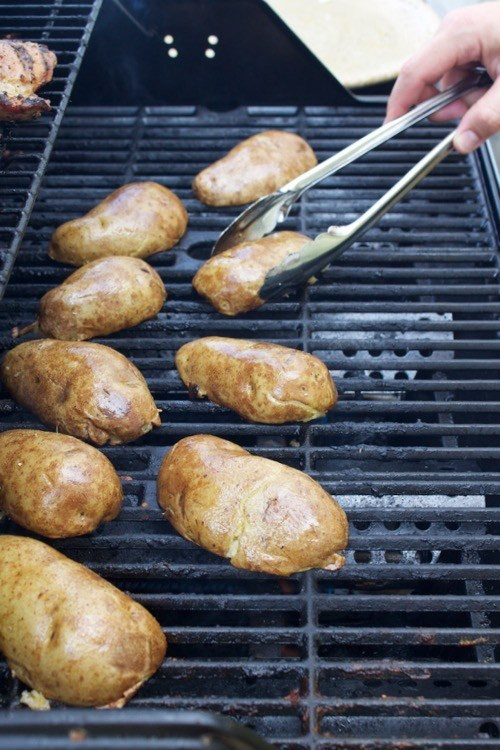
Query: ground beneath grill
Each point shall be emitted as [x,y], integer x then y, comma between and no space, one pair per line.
[403,643]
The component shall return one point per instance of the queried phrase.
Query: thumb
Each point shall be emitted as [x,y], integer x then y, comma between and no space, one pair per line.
[480,122]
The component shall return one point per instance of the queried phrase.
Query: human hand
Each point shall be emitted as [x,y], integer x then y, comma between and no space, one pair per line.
[466,37]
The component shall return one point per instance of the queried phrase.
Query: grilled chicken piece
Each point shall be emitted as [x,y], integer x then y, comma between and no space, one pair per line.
[24,67]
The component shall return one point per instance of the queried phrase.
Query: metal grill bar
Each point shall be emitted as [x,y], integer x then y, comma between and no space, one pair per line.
[404,642]
[25,147]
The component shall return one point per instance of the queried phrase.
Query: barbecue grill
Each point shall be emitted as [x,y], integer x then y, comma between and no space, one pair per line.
[400,648]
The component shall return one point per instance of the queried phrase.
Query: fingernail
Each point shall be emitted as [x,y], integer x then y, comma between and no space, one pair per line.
[466,142]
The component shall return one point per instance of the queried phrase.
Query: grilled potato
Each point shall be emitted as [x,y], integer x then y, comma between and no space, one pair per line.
[138,219]
[82,389]
[231,280]
[55,485]
[260,514]
[261,382]
[68,633]
[255,167]
[104,296]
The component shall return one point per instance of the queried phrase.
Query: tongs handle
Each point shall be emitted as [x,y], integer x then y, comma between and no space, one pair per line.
[382,134]
[315,255]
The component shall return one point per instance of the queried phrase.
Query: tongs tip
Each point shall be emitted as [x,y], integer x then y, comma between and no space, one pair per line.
[257,220]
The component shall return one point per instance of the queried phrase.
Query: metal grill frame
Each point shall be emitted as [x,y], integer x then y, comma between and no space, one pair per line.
[116,730]
[174,579]
[16,137]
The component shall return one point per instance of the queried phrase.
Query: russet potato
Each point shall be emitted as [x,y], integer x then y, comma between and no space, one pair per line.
[55,485]
[138,219]
[103,297]
[255,167]
[231,280]
[262,382]
[82,389]
[69,634]
[262,515]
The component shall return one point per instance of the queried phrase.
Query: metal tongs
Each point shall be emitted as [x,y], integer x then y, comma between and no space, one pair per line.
[262,216]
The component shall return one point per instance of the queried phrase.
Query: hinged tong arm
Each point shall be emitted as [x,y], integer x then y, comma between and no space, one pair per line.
[297,269]
[262,216]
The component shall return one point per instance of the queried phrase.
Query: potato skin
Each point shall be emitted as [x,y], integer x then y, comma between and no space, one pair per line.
[231,280]
[70,634]
[55,485]
[260,514]
[103,297]
[261,382]
[255,167]
[138,219]
[82,389]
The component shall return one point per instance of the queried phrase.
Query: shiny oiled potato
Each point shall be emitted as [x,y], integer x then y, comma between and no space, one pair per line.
[255,167]
[231,280]
[55,485]
[260,514]
[104,296]
[262,382]
[68,633]
[138,219]
[82,389]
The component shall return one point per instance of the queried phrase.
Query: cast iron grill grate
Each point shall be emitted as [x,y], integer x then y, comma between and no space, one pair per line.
[25,147]
[403,643]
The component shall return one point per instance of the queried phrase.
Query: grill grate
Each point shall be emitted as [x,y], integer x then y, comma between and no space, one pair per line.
[403,643]
[25,147]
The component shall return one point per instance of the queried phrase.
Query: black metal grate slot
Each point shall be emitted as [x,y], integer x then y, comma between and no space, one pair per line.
[400,644]
[25,147]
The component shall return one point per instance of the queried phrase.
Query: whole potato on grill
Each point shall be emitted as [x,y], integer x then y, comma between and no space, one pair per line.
[260,514]
[255,167]
[82,389]
[262,382]
[68,633]
[231,280]
[104,296]
[138,219]
[55,485]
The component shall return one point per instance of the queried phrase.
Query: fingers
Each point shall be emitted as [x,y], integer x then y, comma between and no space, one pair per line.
[394,109]
[465,37]
[456,110]
[453,46]
[480,122]
[451,112]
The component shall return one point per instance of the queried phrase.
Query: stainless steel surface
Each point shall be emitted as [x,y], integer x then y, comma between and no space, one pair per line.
[315,255]
[262,216]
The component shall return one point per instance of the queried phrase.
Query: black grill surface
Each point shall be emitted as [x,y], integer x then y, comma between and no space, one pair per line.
[400,648]
[25,147]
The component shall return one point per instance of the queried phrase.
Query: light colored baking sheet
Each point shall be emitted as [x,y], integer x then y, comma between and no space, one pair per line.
[361,42]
